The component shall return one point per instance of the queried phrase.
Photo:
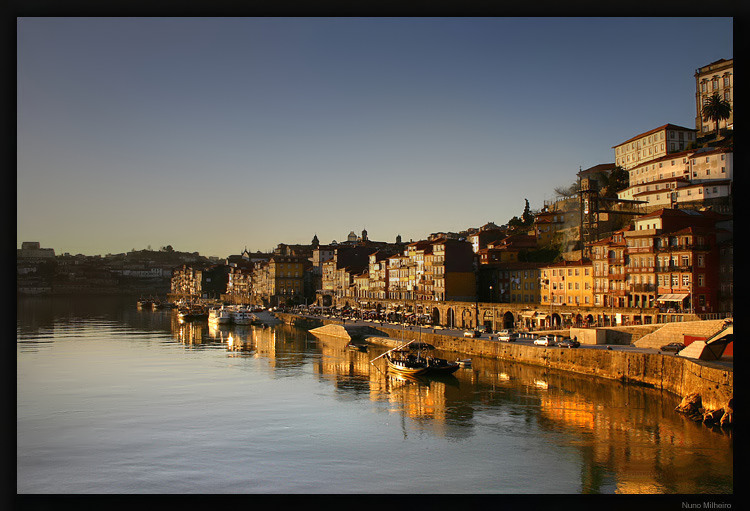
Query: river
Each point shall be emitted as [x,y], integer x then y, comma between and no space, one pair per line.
[112,399]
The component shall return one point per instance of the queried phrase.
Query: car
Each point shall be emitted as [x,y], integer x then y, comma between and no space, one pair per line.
[472,333]
[507,337]
[569,343]
[545,340]
[673,346]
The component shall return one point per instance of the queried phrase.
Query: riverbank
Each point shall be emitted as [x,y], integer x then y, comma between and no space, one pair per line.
[683,377]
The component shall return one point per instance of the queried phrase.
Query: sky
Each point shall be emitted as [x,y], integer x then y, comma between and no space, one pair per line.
[213,135]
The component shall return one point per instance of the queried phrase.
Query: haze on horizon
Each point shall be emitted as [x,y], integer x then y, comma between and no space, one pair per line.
[219,134]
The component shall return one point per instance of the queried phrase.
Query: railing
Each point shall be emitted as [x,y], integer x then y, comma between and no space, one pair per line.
[681,246]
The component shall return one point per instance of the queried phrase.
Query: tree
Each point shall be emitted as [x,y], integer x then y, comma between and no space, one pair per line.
[527,217]
[716,109]
[612,182]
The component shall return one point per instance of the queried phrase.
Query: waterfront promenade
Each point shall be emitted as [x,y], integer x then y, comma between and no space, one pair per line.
[712,380]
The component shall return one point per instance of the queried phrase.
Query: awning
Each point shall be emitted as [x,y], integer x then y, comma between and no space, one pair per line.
[540,315]
[675,297]
[527,314]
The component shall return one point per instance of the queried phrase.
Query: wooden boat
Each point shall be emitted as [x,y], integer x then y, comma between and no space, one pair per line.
[194,313]
[415,364]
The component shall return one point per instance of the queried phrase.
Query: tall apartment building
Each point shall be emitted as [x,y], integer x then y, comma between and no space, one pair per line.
[701,177]
[716,77]
[653,144]
[609,270]
[451,270]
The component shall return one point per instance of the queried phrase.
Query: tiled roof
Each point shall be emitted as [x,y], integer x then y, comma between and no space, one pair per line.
[660,128]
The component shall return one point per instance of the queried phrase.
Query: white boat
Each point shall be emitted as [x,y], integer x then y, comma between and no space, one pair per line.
[242,316]
[220,316]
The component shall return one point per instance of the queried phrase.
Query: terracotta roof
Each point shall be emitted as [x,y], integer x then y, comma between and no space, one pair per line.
[660,128]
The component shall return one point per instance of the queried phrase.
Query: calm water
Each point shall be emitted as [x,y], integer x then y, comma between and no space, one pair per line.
[111,399]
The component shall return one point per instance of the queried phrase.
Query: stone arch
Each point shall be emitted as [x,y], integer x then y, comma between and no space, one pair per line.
[556,321]
[450,318]
[509,321]
[435,316]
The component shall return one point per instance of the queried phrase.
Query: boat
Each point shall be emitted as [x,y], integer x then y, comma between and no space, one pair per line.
[407,363]
[220,315]
[144,303]
[242,316]
[418,365]
[192,313]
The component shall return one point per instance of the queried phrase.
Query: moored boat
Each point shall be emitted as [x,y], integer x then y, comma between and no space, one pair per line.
[192,313]
[404,362]
[221,316]
[242,316]
[418,365]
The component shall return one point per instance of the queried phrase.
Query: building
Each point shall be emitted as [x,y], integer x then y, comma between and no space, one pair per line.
[32,251]
[694,178]
[567,283]
[653,144]
[338,273]
[488,233]
[552,221]
[280,281]
[609,272]
[716,77]
[675,252]
[507,249]
[378,273]
[450,270]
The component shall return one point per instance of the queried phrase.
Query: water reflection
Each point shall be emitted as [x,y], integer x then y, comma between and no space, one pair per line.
[627,439]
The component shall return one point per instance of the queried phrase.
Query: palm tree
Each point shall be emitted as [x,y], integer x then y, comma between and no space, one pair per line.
[716,109]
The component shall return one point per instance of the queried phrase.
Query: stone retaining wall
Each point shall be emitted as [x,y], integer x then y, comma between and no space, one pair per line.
[677,375]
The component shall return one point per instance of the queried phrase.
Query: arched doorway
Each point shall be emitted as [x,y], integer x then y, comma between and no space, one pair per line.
[556,321]
[435,316]
[508,320]
[450,320]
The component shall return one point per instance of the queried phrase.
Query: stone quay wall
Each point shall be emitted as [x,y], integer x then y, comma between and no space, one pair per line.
[680,376]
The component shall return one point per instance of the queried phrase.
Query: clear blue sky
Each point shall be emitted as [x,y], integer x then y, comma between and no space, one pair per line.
[216,134]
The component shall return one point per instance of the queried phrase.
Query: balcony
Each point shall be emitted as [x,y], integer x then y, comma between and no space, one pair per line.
[673,268]
[643,288]
[682,247]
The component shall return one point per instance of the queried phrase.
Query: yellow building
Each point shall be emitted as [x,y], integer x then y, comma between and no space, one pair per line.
[567,283]
[715,78]
[653,144]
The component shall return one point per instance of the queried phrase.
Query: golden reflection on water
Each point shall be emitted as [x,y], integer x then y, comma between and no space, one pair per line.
[630,431]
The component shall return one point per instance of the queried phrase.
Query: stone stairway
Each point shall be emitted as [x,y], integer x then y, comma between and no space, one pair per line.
[675,332]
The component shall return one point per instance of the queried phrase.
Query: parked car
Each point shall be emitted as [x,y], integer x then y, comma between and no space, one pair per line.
[545,340]
[507,337]
[673,346]
[472,333]
[569,343]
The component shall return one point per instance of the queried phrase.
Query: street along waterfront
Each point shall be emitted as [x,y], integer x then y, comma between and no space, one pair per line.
[115,400]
